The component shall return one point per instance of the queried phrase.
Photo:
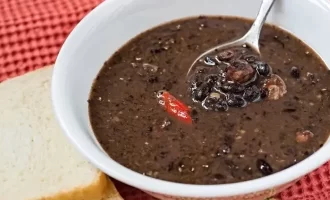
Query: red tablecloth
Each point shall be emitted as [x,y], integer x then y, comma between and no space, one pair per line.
[31,34]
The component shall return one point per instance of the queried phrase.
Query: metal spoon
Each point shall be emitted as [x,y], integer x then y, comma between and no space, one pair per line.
[251,38]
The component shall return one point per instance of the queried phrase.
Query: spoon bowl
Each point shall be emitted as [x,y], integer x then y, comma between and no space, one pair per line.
[251,38]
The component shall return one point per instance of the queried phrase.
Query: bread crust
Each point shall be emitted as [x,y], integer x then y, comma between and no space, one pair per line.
[95,191]
[101,189]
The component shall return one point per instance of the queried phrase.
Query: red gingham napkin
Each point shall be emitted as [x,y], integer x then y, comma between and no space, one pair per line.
[31,34]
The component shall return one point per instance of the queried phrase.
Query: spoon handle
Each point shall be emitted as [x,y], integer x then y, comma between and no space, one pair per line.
[252,36]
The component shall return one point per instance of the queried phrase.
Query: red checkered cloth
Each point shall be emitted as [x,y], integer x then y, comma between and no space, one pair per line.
[31,34]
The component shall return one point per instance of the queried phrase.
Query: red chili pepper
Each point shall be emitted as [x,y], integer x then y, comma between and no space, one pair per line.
[174,107]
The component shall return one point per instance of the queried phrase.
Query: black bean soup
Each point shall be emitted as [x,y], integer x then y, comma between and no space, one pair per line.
[237,117]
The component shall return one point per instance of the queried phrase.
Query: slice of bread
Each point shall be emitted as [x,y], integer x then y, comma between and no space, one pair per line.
[37,162]
[112,193]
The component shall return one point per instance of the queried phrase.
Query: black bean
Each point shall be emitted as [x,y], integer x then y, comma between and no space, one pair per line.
[201,92]
[195,85]
[211,79]
[295,72]
[209,61]
[221,106]
[215,102]
[236,101]
[264,93]
[209,103]
[217,85]
[264,167]
[226,87]
[232,88]
[263,68]
[195,81]
[252,94]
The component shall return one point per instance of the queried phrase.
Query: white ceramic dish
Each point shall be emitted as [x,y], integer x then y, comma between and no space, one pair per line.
[113,23]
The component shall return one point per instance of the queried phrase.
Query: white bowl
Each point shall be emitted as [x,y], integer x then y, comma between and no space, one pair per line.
[113,23]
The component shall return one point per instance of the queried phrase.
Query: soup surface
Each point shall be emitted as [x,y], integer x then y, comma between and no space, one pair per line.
[214,146]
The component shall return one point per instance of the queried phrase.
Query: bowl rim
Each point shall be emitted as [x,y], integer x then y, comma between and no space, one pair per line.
[125,175]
